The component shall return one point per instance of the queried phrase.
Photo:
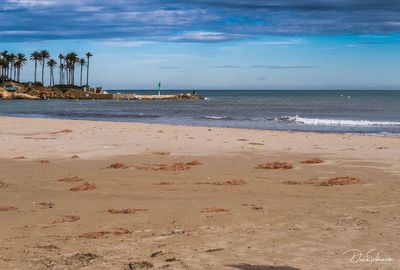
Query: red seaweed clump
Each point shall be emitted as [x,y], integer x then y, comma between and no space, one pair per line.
[84,187]
[275,166]
[313,161]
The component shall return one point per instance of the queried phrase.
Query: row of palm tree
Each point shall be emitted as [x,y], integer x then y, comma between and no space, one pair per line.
[67,64]
[11,65]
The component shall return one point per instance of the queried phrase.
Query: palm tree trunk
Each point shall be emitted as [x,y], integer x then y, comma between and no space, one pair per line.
[87,72]
[35,69]
[43,72]
[81,74]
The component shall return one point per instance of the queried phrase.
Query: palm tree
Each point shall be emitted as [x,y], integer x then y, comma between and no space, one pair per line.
[11,60]
[82,63]
[61,57]
[52,64]
[88,55]
[44,54]
[6,59]
[15,68]
[62,79]
[35,56]
[12,64]
[4,64]
[19,63]
[72,59]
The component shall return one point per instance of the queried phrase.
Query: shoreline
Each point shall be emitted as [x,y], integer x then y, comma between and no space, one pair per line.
[379,135]
[204,126]
[94,139]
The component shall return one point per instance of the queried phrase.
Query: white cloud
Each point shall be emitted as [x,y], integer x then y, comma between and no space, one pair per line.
[33,3]
[120,42]
[18,33]
[201,36]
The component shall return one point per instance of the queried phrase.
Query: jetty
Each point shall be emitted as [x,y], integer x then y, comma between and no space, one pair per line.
[180,96]
[14,90]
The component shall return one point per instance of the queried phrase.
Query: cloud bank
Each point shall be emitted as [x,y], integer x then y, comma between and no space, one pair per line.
[193,20]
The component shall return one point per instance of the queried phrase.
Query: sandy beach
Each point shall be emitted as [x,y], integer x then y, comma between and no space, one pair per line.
[108,195]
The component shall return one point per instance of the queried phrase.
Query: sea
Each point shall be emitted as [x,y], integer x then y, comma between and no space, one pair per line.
[361,112]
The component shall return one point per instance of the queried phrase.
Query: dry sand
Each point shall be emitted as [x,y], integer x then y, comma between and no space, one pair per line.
[180,197]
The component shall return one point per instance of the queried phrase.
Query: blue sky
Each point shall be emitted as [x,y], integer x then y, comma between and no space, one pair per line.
[219,44]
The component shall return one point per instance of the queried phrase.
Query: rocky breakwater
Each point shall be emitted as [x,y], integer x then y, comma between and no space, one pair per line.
[181,96]
[13,90]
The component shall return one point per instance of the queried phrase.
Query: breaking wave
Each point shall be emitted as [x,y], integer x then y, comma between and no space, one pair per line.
[218,117]
[335,122]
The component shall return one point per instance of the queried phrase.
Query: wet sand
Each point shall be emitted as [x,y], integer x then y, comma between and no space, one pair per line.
[102,195]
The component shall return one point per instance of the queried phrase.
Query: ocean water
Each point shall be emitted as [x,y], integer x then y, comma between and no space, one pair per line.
[367,112]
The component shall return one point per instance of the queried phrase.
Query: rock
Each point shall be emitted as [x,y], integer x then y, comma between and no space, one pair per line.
[140,265]
[156,254]
[178,231]
[214,249]
[44,204]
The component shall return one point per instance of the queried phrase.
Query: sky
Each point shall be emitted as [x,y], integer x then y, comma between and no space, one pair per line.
[215,44]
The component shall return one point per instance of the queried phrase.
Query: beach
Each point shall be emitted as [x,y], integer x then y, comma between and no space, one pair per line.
[115,195]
